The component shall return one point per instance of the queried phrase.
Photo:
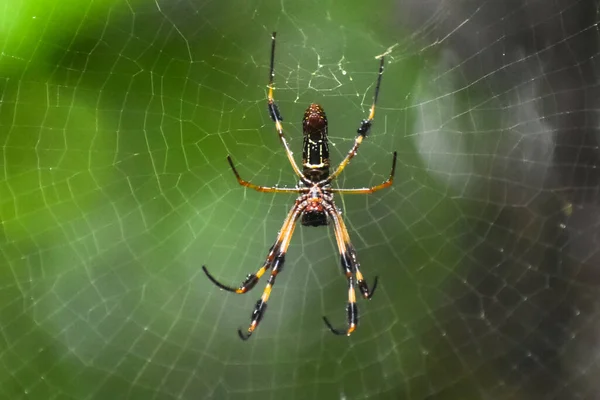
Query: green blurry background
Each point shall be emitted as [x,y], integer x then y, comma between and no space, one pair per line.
[115,121]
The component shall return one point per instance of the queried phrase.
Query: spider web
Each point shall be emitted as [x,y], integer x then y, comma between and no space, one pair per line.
[116,119]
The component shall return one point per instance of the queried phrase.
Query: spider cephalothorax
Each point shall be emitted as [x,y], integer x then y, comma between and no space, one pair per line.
[314,204]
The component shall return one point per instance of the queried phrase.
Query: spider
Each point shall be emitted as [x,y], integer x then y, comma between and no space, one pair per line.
[314,205]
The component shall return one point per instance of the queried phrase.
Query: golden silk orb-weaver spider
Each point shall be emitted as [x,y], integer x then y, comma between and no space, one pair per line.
[314,206]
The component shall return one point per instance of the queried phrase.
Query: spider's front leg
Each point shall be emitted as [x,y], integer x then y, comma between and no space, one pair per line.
[275,259]
[350,258]
[252,279]
[261,304]
[350,267]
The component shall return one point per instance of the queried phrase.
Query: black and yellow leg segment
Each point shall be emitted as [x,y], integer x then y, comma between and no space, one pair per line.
[263,189]
[360,280]
[372,189]
[351,310]
[261,304]
[362,131]
[365,124]
[252,279]
[350,257]
[350,268]
[275,115]
[248,283]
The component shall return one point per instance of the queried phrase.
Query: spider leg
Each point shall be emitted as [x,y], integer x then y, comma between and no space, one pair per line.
[350,267]
[252,279]
[363,131]
[277,118]
[351,257]
[261,304]
[258,188]
[372,189]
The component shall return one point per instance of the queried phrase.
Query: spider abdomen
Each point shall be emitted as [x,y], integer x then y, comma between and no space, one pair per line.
[315,148]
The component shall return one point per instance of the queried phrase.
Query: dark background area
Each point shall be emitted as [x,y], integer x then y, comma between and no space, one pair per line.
[115,121]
